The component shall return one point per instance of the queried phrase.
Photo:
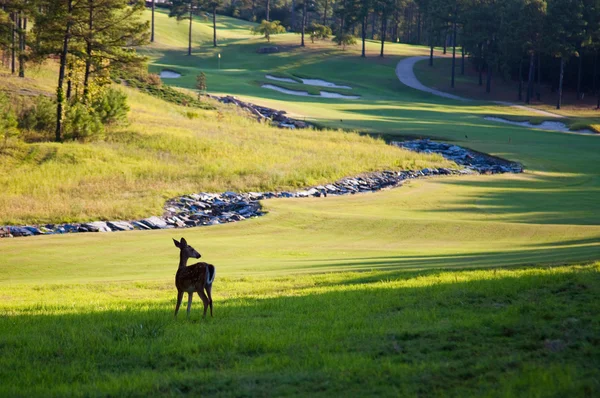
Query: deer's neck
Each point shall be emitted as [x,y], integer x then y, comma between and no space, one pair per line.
[182,260]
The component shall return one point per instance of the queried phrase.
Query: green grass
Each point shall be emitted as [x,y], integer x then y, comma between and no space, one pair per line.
[503,332]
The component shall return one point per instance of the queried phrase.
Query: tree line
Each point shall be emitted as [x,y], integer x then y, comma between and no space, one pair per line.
[89,39]
[532,41]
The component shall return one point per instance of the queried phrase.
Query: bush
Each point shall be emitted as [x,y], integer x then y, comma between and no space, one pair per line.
[81,123]
[8,120]
[40,117]
[344,39]
[111,106]
[319,32]
[153,79]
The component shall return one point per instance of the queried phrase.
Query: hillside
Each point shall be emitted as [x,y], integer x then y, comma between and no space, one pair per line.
[167,150]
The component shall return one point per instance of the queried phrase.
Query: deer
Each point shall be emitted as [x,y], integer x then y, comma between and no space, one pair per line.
[194,278]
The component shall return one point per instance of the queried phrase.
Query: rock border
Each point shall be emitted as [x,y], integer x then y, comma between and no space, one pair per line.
[203,209]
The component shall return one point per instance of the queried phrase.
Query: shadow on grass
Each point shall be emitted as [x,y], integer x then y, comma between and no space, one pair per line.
[456,334]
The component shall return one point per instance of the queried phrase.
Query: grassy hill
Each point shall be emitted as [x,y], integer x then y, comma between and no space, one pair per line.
[167,150]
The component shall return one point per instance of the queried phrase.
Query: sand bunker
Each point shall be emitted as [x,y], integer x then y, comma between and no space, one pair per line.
[552,126]
[323,94]
[169,74]
[323,83]
[280,79]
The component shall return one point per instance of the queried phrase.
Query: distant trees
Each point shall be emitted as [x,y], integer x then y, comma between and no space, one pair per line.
[267,29]
[184,10]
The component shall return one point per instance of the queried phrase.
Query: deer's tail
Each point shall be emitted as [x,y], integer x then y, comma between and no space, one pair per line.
[210,274]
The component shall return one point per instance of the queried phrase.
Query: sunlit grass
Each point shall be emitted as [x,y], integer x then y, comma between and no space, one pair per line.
[499,332]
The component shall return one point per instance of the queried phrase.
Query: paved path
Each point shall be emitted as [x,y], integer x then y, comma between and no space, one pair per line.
[406,75]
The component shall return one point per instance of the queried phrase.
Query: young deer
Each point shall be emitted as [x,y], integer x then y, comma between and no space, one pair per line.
[195,278]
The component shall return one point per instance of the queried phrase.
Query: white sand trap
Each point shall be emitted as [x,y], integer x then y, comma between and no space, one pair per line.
[169,74]
[327,94]
[280,79]
[323,83]
[552,126]
[323,94]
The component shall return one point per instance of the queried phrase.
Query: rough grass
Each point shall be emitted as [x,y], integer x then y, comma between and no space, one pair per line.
[168,150]
[501,332]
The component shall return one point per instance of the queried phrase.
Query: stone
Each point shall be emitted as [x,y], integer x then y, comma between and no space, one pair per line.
[120,226]
[268,50]
[96,226]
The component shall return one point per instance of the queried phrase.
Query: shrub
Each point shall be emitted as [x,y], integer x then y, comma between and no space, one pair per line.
[111,106]
[8,120]
[39,117]
[153,79]
[319,32]
[267,29]
[344,39]
[81,123]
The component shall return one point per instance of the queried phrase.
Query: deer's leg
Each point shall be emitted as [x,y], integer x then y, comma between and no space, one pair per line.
[190,296]
[208,290]
[204,300]
[179,298]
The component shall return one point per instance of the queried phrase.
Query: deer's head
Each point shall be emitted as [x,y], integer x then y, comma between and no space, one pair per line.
[186,249]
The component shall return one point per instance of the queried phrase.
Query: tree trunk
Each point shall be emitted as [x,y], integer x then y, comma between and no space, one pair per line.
[480,66]
[88,50]
[579,75]
[293,15]
[445,39]
[453,49]
[152,31]
[13,68]
[595,77]
[462,61]
[419,26]
[488,84]
[190,32]
[530,80]
[383,29]
[520,79]
[61,74]
[325,14]
[303,21]
[539,78]
[560,82]
[268,9]
[373,23]
[364,36]
[214,24]
[22,27]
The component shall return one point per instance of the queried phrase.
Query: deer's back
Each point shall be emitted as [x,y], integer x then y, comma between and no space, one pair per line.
[192,278]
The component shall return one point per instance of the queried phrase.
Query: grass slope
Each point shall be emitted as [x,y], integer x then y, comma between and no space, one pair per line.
[163,152]
[503,332]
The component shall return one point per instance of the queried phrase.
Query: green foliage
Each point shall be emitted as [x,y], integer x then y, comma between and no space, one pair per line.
[8,120]
[201,82]
[41,116]
[111,106]
[319,32]
[344,39]
[267,29]
[82,123]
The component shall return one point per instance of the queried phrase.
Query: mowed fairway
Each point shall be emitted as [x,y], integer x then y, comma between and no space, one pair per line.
[392,293]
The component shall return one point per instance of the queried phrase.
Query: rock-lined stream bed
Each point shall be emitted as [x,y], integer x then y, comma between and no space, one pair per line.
[203,209]
[262,113]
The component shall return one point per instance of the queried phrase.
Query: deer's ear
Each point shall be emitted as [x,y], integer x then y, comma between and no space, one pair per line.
[183,242]
[176,243]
